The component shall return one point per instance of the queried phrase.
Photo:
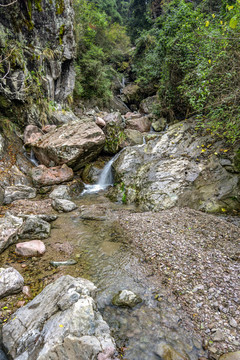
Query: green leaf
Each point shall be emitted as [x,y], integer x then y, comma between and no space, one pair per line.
[233,22]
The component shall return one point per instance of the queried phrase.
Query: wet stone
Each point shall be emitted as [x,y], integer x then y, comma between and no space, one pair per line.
[126,298]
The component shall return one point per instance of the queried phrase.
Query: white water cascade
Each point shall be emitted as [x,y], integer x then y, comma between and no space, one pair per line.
[105,179]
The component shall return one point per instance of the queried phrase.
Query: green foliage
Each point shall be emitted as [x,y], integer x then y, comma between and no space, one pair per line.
[101,48]
[192,58]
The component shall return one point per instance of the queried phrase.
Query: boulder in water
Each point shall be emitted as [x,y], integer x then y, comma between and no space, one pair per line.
[126,298]
[167,352]
[30,248]
[61,192]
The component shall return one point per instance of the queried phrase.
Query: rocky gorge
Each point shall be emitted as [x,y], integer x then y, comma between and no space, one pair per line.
[136,270]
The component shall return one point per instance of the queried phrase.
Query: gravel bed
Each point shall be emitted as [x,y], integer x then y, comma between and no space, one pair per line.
[197,258]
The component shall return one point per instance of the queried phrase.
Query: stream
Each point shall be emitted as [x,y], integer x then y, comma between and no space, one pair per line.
[103,254]
[105,257]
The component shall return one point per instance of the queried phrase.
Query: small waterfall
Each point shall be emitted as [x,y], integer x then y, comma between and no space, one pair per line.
[105,179]
[33,159]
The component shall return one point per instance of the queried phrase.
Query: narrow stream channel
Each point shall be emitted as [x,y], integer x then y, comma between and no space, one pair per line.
[104,255]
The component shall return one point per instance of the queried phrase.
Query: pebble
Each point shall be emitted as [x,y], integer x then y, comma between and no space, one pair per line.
[218,336]
[233,323]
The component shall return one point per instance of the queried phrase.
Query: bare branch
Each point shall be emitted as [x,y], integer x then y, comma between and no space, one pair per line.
[13,2]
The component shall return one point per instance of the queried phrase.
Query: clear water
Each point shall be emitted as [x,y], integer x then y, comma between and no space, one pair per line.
[105,256]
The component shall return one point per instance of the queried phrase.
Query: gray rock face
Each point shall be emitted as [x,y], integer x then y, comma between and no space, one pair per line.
[11,282]
[61,322]
[74,144]
[17,192]
[126,298]
[63,205]
[34,228]
[48,28]
[177,169]
[9,226]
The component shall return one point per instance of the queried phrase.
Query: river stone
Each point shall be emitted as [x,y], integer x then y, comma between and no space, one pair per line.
[126,298]
[60,192]
[9,226]
[63,205]
[17,192]
[43,176]
[159,124]
[30,248]
[34,228]
[62,322]
[176,170]
[231,356]
[167,352]
[142,123]
[11,282]
[74,144]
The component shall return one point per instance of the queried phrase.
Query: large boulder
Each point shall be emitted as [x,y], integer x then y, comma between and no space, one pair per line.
[43,176]
[9,226]
[17,192]
[75,144]
[178,169]
[11,282]
[62,322]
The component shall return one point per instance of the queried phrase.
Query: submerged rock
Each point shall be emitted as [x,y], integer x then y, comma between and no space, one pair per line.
[11,282]
[74,144]
[167,352]
[62,322]
[126,298]
[231,356]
